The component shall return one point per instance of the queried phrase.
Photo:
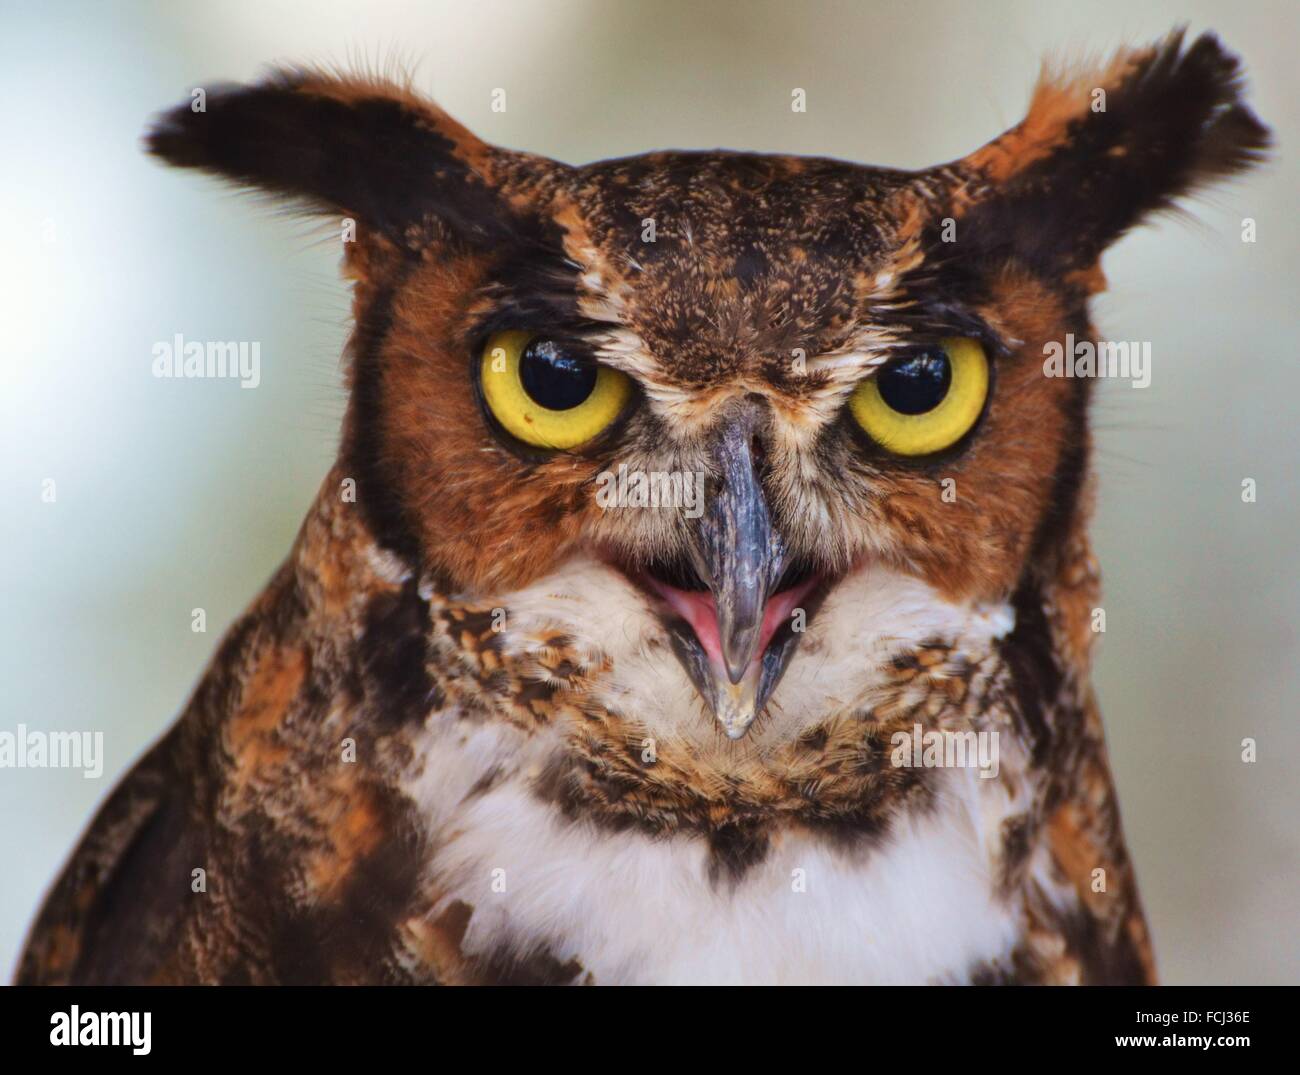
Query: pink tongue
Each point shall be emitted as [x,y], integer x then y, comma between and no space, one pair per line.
[698,608]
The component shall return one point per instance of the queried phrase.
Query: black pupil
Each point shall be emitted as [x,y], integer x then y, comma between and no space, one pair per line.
[916,385]
[553,377]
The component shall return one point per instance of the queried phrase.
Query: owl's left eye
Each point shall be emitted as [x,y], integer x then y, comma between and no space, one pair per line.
[925,402]
[546,395]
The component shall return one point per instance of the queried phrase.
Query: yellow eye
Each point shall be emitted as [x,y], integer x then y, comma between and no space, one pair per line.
[545,395]
[924,403]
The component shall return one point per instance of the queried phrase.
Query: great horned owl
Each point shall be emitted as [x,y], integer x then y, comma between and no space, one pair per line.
[694,514]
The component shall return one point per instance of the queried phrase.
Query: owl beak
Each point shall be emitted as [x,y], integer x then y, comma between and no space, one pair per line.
[736,551]
[740,556]
[737,633]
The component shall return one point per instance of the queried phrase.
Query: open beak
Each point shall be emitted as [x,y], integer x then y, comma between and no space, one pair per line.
[736,551]
[732,658]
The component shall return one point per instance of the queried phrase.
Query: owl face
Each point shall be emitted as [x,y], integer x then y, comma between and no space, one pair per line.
[725,416]
[745,327]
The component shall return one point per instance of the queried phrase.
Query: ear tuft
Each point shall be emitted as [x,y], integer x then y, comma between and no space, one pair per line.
[362,148]
[1098,151]
[1182,112]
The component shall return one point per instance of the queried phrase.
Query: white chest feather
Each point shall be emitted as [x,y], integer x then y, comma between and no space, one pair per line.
[919,904]
[916,907]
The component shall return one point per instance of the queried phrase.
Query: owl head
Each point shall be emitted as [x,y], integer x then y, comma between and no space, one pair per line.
[690,403]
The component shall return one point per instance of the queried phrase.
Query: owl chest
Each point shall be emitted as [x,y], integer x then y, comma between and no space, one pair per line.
[918,905]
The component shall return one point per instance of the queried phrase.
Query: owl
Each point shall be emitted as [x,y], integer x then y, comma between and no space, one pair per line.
[702,593]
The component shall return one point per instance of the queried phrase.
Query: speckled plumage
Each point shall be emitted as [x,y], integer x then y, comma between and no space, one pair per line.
[538,792]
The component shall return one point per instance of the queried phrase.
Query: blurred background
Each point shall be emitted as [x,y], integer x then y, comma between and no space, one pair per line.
[181,494]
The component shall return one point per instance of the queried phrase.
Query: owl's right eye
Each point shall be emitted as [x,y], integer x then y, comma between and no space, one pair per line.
[547,396]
